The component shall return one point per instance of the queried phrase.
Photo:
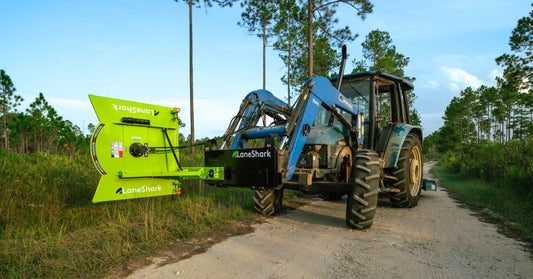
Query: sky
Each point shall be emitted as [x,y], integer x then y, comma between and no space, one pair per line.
[138,50]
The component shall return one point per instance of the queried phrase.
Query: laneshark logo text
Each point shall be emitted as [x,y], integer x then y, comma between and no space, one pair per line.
[132,109]
[252,154]
[142,189]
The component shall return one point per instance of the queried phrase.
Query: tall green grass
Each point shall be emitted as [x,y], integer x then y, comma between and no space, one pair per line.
[510,163]
[507,203]
[50,229]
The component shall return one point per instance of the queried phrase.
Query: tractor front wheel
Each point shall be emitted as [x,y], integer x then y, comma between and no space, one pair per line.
[363,199]
[268,201]
[409,173]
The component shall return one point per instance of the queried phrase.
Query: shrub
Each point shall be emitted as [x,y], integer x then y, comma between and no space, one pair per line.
[509,163]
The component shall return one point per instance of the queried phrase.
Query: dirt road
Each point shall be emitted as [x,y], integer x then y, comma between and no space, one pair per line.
[436,239]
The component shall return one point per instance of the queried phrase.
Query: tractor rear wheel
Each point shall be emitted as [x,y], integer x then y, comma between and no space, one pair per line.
[363,199]
[268,201]
[409,173]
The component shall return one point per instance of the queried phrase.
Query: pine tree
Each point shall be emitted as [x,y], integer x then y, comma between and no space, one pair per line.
[191,4]
[8,103]
[380,55]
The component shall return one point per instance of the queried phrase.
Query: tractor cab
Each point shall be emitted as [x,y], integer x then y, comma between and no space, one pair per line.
[383,98]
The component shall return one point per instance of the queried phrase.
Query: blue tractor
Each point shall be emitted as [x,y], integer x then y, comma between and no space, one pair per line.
[333,141]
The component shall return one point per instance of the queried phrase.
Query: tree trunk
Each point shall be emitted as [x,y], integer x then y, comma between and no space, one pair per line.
[289,73]
[35,144]
[289,62]
[264,55]
[502,134]
[490,122]
[479,127]
[4,131]
[191,77]
[23,144]
[264,65]
[468,119]
[508,124]
[310,36]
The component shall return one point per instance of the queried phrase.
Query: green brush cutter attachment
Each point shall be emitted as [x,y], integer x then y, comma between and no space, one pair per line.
[135,149]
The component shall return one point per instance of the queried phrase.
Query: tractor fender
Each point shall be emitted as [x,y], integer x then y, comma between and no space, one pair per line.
[395,142]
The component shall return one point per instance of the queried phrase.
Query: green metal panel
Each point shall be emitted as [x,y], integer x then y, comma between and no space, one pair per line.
[131,151]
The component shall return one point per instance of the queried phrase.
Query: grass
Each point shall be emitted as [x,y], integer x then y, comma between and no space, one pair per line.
[50,229]
[504,202]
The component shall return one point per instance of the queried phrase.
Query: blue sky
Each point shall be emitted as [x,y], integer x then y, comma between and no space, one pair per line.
[138,50]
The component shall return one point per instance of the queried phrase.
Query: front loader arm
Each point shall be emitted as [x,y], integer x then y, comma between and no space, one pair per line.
[255,105]
[318,92]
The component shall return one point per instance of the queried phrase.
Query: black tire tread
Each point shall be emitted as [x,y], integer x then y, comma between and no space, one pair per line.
[363,199]
[264,202]
[268,202]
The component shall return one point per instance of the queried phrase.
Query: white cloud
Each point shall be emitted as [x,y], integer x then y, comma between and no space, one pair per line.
[459,79]
[494,74]
[432,115]
[432,84]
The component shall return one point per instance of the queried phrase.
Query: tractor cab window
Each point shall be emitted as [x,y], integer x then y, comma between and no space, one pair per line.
[322,117]
[358,91]
[384,90]
[390,105]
